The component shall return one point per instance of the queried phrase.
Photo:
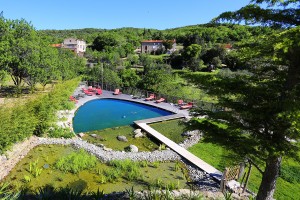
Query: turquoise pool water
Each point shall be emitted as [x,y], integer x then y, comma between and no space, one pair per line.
[109,113]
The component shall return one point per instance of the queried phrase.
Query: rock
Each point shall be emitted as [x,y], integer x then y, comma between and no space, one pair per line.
[100,145]
[138,135]
[190,133]
[81,135]
[137,131]
[107,149]
[122,138]
[132,148]
[94,135]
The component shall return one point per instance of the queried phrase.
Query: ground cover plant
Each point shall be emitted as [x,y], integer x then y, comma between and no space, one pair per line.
[108,137]
[90,177]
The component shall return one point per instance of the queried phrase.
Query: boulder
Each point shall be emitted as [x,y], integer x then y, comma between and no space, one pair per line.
[132,148]
[122,138]
[94,135]
[81,135]
[138,135]
[107,149]
[137,131]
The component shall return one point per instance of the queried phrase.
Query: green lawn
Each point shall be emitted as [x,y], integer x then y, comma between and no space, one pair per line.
[109,139]
[171,129]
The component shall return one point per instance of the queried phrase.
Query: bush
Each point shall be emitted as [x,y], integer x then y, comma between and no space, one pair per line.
[59,132]
[76,162]
[34,116]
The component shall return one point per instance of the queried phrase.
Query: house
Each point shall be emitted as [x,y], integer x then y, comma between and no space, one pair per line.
[78,46]
[149,46]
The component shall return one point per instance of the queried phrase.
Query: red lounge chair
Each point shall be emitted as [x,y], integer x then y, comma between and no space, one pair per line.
[117,92]
[87,92]
[180,102]
[73,99]
[160,100]
[187,106]
[150,98]
[98,91]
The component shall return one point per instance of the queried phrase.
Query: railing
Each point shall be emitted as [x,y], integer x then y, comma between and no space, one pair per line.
[139,93]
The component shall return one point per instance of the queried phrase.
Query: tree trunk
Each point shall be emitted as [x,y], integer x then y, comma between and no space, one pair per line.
[270,175]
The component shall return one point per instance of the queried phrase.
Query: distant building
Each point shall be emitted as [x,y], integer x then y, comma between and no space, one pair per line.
[149,46]
[75,45]
[78,46]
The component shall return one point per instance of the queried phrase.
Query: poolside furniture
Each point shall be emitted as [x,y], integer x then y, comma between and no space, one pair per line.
[117,92]
[160,100]
[98,91]
[180,102]
[87,92]
[73,99]
[187,106]
[150,98]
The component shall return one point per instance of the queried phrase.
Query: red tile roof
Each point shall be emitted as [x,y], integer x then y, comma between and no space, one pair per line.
[56,45]
[152,41]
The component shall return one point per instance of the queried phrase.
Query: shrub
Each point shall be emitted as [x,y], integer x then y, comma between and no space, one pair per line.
[76,162]
[34,116]
[59,132]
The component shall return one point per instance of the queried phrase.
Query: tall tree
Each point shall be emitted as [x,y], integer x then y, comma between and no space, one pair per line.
[20,42]
[262,109]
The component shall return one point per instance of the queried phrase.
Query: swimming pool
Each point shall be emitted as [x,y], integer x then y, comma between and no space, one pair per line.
[109,113]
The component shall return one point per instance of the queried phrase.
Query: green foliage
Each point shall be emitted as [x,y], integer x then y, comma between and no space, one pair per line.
[6,193]
[27,178]
[59,132]
[76,162]
[290,173]
[124,168]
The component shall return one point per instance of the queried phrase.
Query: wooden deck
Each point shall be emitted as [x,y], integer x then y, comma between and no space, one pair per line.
[213,172]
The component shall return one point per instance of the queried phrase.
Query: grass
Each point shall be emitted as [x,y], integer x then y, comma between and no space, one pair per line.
[220,158]
[171,129]
[141,175]
[108,137]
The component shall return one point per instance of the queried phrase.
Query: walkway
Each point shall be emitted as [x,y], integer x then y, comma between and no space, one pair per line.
[216,174]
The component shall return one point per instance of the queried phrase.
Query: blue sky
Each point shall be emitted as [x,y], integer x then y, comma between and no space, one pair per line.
[110,14]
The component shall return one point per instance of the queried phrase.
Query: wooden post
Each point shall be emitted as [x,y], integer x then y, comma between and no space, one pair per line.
[247,179]
[223,181]
[242,169]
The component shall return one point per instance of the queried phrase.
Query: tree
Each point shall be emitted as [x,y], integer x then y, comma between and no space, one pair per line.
[129,78]
[106,39]
[262,109]
[191,56]
[20,40]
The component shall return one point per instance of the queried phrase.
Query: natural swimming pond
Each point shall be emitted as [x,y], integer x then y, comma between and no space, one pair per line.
[109,113]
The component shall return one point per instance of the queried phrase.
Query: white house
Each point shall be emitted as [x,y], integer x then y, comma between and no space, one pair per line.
[148,46]
[76,45]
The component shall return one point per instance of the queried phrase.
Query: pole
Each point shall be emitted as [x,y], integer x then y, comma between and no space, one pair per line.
[102,76]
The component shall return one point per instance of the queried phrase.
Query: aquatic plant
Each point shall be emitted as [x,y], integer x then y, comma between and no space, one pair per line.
[76,162]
